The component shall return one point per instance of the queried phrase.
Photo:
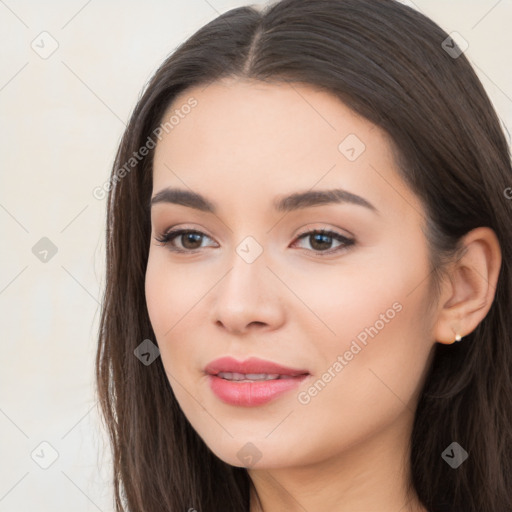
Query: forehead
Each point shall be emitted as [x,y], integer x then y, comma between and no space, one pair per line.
[277,121]
[262,137]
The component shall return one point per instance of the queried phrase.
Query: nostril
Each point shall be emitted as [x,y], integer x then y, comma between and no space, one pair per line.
[257,323]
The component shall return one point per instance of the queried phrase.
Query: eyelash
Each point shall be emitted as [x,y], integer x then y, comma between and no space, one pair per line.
[166,238]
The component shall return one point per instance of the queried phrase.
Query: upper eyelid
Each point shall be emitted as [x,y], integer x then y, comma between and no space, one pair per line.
[306,229]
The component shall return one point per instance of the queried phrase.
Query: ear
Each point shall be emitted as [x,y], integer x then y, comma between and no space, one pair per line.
[469,290]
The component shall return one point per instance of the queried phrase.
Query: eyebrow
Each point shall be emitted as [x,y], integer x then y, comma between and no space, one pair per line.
[295,201]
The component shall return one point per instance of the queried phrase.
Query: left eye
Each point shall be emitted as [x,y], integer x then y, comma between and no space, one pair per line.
[321,240]
[191,240]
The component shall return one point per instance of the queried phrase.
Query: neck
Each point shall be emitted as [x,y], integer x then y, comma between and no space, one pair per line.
[371,476]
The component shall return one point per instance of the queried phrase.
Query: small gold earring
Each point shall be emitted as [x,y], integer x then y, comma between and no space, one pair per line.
[458,337]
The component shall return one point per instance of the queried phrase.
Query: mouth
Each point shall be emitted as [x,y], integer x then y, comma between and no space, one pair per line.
[252,382]
[252,377]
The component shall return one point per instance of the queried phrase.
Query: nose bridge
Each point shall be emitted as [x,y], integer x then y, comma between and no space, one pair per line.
[248,269]
[249,250]
[248,294]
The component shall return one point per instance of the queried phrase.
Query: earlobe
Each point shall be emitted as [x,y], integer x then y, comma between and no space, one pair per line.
[470,286]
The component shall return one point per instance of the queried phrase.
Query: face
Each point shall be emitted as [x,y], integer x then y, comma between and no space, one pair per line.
[332,287]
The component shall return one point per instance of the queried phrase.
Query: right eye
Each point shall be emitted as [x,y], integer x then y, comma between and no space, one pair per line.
[190,239]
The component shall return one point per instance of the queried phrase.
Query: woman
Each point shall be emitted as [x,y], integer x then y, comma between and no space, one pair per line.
[308,272]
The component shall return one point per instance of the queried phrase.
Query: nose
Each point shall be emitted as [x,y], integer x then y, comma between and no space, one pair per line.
[249,297]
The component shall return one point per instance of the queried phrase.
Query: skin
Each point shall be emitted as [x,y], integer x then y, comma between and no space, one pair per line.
[243,145]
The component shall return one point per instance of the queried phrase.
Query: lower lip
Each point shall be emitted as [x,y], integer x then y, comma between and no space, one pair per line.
[250,394]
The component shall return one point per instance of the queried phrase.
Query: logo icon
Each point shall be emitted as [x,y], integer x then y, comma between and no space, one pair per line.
[146,352]
[351,147]
[249,249]
[44,455]
[454,455]
[455,45]
[249,454]
[44,250]
[45,45]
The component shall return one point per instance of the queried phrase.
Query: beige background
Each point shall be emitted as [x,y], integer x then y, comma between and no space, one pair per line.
[61,120]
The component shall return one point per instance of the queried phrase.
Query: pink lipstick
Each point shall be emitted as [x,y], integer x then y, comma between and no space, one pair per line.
[252,382]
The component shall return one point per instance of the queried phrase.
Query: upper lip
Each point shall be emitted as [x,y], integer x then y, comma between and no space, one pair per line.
[250,366]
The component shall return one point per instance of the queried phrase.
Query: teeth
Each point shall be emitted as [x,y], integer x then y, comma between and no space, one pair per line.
[250,376]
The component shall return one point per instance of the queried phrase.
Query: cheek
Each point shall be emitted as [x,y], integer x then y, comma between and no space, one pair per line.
[356,299]
[171,291]
[160,294]
[166,295]
[176,294]
[376,313]
[370,373]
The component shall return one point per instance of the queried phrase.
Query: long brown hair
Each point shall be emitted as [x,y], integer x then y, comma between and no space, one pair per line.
[390,64]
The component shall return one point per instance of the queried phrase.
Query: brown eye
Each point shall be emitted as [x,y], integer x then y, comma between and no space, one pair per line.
[191,240]
[321,241]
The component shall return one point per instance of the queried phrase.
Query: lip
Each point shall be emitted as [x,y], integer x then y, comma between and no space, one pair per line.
[251,393]
[251,365]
